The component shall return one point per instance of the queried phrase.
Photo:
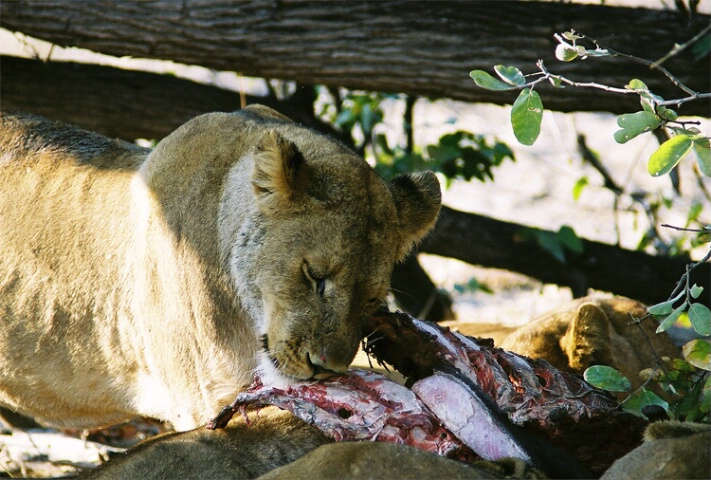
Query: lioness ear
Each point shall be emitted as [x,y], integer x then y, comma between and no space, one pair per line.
[588,338]
[417,199]
[276,167]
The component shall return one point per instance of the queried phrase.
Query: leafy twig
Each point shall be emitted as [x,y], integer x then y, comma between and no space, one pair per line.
[526,113]
[676,49]
[650,64]
[684,280]
[679,101]
[547,76]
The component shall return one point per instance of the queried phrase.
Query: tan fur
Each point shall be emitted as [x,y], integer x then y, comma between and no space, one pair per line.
[671,450]
[390,461]
[156,282]
[594,330]
[274,439]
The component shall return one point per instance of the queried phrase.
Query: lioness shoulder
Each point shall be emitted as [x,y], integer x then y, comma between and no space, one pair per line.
[156,282]
[671,449]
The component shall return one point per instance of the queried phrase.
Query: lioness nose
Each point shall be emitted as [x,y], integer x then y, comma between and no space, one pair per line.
[323,368]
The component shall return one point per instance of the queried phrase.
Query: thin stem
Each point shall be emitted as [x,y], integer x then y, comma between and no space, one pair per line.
[548,75]
[679,48]
[638,322]
[650,64]
[684,280]
[681,229]
[690,98]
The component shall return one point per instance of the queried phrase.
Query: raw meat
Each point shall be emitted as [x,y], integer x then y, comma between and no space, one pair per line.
[481,399]
[554,405]
[361,405]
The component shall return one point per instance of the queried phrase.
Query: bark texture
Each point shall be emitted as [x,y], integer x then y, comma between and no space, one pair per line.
[124,103]
[416,47]
[488,242]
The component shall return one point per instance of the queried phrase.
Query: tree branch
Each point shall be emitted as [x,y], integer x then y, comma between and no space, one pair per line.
[140,104]
[418,48]
[488,242]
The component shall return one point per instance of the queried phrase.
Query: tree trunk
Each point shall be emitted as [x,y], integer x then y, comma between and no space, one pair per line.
[492,243]
[416,294]
[147,105]
[416,47]
[139,105]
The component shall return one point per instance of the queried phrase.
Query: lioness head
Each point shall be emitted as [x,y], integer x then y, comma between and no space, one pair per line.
[314,255]
[156,282]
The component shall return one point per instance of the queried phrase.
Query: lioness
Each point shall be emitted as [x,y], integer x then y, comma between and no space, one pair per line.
[155,282]
[671,449]
[275,438]
[593,330]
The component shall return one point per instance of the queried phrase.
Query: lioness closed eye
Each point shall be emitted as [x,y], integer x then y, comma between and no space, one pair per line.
[156,282]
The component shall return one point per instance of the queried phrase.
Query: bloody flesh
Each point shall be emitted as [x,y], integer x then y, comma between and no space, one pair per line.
[493,402]
[361,405]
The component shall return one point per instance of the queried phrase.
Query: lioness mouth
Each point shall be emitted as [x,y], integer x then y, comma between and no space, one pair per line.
[320,372]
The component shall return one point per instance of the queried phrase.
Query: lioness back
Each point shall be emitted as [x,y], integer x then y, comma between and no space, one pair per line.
[157,282]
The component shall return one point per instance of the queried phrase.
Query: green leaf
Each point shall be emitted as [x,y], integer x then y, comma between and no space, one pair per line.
[570,239]
[696,291]
[671,318]
[663,308]
[706,395]
[551,243]
[484,80]
[700,318]
[345,119]
[598,52]
[607,378]
[667,113]
[526,116]
[641,399]
[698,353]
[646,104]
[682,366]
[702,149]
[473,285]
[669,153]
[579,186]
[636,84]
[634,124]
[572,36]
[694,212]
[510,75]
[565,52]
[701,48]
[691,406]
[556,82]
